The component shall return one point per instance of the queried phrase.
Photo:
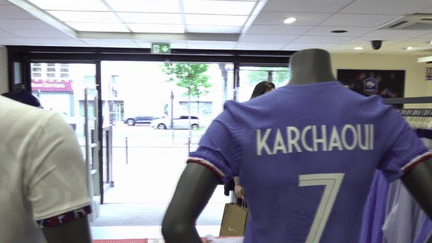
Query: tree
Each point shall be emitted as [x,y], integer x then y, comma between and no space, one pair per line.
[189,75]
[278,75]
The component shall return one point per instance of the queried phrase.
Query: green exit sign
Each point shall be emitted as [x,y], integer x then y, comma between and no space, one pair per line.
[161,48]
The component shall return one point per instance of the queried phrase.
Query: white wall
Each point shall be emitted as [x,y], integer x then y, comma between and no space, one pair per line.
[415,81]
[4,85]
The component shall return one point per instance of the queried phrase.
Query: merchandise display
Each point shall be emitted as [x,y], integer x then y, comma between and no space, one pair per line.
[306,155]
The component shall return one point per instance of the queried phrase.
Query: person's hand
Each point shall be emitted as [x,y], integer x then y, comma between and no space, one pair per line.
[238,191]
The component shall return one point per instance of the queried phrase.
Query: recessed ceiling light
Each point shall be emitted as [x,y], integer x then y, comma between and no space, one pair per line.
[339,31]
[409,48]
[358,48]
[290,20]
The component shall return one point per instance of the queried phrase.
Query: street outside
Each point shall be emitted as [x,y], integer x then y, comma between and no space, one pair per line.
[148,171]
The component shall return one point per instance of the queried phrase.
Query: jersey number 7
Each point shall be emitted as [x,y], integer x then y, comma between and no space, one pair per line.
[332,183]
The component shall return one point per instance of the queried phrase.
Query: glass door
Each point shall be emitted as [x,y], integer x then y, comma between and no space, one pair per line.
[149,156]
[251,76]
[69,89]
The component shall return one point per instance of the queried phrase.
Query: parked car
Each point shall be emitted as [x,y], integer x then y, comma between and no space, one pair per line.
[181,122]
[131,121]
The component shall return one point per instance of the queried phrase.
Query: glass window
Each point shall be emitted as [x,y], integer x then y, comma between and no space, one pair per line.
[51,69]
[64,75]
[50,75]
[51,64]
[37,69]
[36,75]
[251,76]
[64,70]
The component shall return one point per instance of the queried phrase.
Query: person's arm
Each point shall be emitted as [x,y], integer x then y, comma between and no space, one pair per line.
[55,175]
[72,232]
[194,189]
[418,182]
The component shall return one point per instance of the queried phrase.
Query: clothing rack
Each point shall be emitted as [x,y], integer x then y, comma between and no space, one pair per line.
[376,226]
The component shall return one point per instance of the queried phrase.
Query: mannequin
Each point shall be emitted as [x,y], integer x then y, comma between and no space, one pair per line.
[197,183]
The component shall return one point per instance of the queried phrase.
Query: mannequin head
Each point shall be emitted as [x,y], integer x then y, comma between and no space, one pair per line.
[310,66]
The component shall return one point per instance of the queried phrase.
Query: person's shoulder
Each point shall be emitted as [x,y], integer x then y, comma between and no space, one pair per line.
[15,111]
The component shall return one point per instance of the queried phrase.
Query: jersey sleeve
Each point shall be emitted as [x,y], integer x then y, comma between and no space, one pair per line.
[56,175]
[405,151]
[219,148]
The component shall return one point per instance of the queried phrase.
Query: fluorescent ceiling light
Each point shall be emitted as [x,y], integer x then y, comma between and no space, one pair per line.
[145,6]
[71,5]
[218,7]
[219,20]
[358,48]
[290,20]
[98,27]
[156,28]
[409,48]
[85,17]
[150,18]
[214,29]
[425,59]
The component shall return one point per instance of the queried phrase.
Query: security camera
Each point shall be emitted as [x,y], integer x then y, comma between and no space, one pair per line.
[376,44]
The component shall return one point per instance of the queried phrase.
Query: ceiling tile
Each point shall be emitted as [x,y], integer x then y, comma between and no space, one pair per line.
[219,20]
[173,44]
[150,18]
[148,6]
[14,12]
[428,10]
[85,17]
[358,20]
[268,38]
[24,24]
[416,45]
[382,7]
[397,33]
[71,5]
[259,46]
[349,48]
[156,28]
[6,34]
[211,45]
[213,29]
[98,27]
[111,42]
[327,31]
[365,41]
[40,33]
[306,6]
[4,2]
[301,46]
[326,40]
[42,42]
[428,36]
[218,7]
[278,29]
[277,18]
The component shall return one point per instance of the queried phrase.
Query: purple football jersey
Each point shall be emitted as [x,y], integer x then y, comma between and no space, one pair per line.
[306,156]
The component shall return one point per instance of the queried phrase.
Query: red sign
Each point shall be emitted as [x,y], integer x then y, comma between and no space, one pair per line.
[51,85]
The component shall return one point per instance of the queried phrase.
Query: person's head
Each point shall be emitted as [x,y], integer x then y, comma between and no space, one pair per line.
[262,88]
